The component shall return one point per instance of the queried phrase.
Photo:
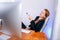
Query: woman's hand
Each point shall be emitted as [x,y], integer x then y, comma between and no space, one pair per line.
[38,20]
[30,18]
[41,18]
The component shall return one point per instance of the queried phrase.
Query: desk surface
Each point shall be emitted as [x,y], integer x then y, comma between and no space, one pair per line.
[34,36]
[28,36]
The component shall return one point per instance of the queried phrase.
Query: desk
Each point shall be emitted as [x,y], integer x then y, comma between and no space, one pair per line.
[28,36]
[34,36]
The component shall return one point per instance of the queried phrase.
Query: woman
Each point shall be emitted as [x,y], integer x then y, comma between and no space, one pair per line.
[38,23]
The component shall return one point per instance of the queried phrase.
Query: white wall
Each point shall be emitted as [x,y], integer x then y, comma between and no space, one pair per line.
[56,28]
[34,7]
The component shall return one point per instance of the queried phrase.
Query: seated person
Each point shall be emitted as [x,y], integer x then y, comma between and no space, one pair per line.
[39,21]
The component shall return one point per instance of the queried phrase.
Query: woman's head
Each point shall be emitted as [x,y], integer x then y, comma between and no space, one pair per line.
[44,13]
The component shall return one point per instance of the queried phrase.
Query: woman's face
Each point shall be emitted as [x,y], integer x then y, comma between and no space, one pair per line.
[42,14]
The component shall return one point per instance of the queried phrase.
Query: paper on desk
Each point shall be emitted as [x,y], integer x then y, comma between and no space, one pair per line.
[4,37]
[25,31]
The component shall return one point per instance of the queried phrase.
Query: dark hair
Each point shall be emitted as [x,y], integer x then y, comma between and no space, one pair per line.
[47,13]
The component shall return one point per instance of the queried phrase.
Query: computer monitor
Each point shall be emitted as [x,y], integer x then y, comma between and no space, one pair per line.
[9,13]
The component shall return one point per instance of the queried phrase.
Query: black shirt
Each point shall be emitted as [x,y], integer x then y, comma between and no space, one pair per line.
[36,27]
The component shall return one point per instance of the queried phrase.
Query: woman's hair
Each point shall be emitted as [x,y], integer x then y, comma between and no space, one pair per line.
[47,13]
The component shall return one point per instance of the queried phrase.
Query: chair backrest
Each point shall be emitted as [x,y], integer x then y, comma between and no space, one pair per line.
[44,24]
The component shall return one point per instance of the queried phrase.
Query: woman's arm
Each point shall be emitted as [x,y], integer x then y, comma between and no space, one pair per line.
[32,25]
[39,19]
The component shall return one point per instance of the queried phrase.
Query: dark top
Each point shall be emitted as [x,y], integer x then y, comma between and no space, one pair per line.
[37,27]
